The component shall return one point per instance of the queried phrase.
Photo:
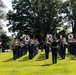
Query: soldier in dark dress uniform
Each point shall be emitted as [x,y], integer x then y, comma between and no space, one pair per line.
[75,47]
[63,48]
[36,46]
[15,49]
[21,49]
[27,44]
[31,48]
[47,48]
[71,44]
[54,51]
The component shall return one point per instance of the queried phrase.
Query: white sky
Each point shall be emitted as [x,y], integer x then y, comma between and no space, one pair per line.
[8,5]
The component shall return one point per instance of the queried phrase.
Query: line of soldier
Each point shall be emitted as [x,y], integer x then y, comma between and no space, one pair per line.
[22,46]
[56,46]
[72,46]
[33,48]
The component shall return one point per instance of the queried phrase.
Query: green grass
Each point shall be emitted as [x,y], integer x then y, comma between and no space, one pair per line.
[37,66]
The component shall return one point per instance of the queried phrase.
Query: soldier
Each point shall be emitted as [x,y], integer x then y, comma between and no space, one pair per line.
[63,48]
[31,48]
[26,44]
[54,51]
[71,44]
[15,49]
[21,49]
[41,45]
[59,43]
[36,46]
[75,47]
[47,48]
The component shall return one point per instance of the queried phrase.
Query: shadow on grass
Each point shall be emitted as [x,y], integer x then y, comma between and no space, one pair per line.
[24,59]
[41,57]
[68,54]
[59,57]
[10,59]
[72,57]
[46,64]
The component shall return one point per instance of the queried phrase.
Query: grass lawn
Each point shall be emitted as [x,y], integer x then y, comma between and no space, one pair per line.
[36,66]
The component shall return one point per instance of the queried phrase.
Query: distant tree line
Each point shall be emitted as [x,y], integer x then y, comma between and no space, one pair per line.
[5,41]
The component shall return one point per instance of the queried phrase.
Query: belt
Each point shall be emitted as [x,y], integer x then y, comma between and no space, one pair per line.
[54,47]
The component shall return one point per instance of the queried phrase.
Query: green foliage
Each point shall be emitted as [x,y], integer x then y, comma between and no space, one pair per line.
[64,31]
[69,8]
[2,16]
[5,42]
[34,17]
[10,41]
[1,10]
[39,17]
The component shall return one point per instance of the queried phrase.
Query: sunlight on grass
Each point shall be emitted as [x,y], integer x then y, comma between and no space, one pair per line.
[37,66]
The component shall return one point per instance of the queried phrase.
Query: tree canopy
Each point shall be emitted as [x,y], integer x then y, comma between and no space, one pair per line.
[1,10]
[69,9]
[1,15]
[37,17]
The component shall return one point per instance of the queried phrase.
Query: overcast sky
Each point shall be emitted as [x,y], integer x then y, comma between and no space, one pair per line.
[8,5]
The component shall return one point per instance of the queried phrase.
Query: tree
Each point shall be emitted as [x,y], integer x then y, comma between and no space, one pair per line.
[45,16]
[69,8]
[1,10]
[19,17]
[5,42]
[2,16]
[3,37]
[73,16]
[37,17]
